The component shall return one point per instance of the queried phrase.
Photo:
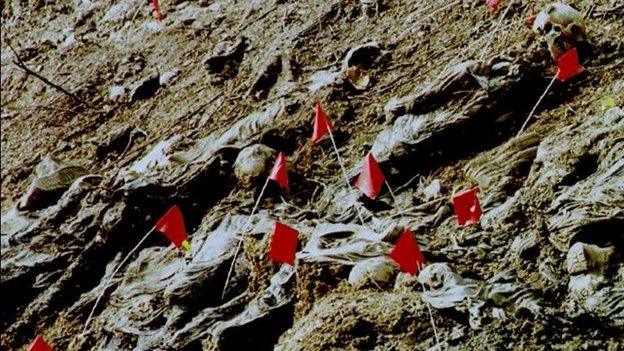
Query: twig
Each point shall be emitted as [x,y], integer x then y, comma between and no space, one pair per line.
[21,64]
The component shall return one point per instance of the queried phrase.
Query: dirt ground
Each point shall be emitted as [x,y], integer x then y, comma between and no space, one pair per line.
[62,61]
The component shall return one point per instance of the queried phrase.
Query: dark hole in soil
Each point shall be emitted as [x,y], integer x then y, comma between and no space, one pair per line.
[602,233]
[586,166]
[261,334]
[279,143]
[479,131]
[16,295]
[147,89]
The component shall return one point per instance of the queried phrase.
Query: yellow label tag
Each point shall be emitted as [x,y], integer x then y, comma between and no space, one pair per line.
[186,245]
[607,103]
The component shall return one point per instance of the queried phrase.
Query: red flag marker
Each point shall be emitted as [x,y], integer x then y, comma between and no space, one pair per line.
[156,10]
[568,65]
[171,224]
[531,19]
[492,4]
[283,244]
[406,253]
[279,174]
[370,179]
[39,345]
[322,124]
[467,208]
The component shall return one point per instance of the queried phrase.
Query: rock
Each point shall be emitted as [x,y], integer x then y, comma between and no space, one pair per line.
[252,162]
[321,79]
[432,190]
[69,40]
[523,244]
[583,258]
[226,56]
[166,78]
[116,92]
[117,12]
[159,157]
[13,221]
[378,271]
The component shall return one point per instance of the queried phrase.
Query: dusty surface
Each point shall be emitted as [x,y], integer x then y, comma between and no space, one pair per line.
[217,76]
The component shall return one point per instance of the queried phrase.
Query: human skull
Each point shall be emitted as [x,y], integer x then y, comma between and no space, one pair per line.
[252,162]
[561,27]
[438,275]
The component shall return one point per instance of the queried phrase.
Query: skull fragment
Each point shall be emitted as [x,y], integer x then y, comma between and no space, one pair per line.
[560,27]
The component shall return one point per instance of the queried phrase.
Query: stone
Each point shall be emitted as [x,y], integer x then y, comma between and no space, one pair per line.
[378,271]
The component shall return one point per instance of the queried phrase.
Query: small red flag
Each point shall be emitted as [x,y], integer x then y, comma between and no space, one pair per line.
[492,4]
[467,208]
[322,124]
[568,65]
[370,179]
[279,174]
[283,244]
[406,253]
[171,224]
[39,345]
[531,19]
[156,10]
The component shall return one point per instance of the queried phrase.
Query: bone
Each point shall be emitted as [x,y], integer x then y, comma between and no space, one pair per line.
[561,26]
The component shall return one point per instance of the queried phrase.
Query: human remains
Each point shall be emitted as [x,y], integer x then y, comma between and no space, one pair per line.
[561,27]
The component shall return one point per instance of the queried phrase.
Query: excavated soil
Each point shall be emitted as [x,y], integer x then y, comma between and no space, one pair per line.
[152,114]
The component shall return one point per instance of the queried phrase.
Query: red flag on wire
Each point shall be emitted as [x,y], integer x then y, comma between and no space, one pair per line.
[492,4]
[467,207]
[531,19]
[283,244]
[279,174]
[406,253]
[322,124]
[156,10]
[370,179]
[39,345]
[171,224]
[568,65]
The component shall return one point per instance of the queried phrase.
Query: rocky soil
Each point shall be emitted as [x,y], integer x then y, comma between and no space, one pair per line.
[110,117]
